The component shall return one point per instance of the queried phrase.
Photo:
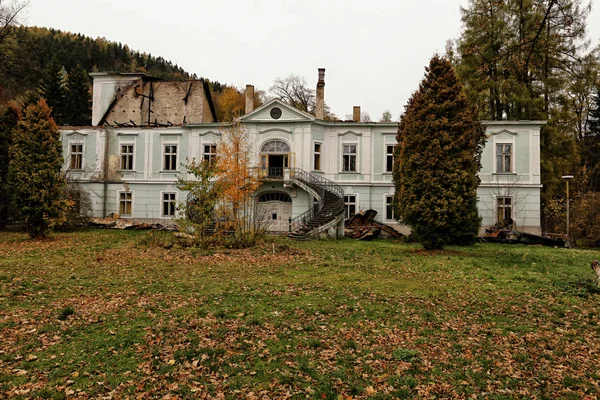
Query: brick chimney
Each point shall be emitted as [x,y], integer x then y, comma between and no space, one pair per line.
[356,114]
[249,99]
[320,107]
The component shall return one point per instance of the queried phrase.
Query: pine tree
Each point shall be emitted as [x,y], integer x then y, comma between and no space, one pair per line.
[35,170]
[437,159]
[54,91]
[590,147]
[78,102]
[8,121]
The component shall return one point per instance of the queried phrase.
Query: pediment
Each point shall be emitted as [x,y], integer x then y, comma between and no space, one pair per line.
[503,132]
[277,111]
[76,134]
[209,132]
[350,132]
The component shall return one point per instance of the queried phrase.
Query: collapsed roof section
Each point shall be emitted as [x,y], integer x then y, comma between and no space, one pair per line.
[136,99]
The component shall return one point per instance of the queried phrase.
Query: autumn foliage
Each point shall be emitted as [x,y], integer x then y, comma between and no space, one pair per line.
[222,191]
[437,160]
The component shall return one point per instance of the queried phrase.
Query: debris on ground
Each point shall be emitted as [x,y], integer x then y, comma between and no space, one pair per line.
[362,226]
[114,221]
[503,233]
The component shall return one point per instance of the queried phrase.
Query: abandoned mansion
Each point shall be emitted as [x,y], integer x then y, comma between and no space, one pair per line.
[315,173]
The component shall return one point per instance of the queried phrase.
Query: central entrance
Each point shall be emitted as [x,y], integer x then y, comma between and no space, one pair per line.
[275,208]
[274,158]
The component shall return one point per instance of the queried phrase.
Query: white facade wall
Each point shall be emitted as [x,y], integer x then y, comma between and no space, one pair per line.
[370,182]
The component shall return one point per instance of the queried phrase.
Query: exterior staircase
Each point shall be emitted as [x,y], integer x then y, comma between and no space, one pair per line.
[324,214]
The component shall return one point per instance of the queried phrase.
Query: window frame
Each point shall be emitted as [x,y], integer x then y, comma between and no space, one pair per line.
[503,207]
[389,157]
[211,155]
[317,156]
[125,201]
[131,156]
[170,165]
[348,204]
[390,205]
[163,202]
[500,168]
[350,156]
[76,154]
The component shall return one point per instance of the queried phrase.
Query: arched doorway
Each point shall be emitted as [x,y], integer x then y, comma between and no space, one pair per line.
[274,157]
[276,209]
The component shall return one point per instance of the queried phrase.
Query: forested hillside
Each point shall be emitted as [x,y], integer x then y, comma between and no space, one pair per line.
[39,61]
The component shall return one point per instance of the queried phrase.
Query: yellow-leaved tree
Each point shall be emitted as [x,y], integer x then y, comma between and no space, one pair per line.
[237,181]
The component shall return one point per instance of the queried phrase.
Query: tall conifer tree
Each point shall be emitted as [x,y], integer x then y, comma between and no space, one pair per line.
[55,93]
[437,159]
[35,170]
[78,102]
[8,121]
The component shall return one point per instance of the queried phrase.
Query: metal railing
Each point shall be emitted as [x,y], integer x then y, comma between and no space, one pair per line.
[321,186]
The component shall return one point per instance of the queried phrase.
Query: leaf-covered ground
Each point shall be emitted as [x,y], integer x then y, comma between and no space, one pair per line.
[105,314]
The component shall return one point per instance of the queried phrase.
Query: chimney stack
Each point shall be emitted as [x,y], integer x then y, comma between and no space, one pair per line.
[320,106]
[356,114]
[249,99]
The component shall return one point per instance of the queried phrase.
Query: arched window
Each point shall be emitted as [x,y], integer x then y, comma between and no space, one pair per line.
[274,196]
[275,146]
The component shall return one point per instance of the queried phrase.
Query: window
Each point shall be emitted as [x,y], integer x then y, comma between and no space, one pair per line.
[349,206]
[317,165]
[389,208]
[504,157]
[210,153]
[171,157]
[349,158]
[275,146]
[168,204]
[389,158]
[77,156]
[125,203]
[504,209]
[127,156]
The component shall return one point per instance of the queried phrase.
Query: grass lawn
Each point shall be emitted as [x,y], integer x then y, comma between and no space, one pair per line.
[104,314]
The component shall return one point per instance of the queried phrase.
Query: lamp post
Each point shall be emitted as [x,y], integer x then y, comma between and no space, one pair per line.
[568,178]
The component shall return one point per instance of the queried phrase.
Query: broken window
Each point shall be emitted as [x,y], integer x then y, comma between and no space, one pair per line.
[504,209]
[125,203]
[503,157]
[349,205]
[349,158]
[127,157]
[210,153]
[76,156]
[317,164]
[170,157]
[168,204]
[389,158]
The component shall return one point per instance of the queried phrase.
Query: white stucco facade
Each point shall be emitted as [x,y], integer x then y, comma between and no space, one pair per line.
[355,155]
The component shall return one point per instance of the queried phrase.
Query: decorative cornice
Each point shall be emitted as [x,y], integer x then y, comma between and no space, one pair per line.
[73,133]
[503,131]
[288,131]
[349,133]
[209,133]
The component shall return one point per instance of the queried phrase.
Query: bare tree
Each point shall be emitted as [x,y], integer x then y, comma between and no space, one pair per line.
[507,187]
[386,116]
[9,15]
[294,91]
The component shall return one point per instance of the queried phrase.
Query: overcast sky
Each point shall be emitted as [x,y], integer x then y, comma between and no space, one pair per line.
[374,51]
